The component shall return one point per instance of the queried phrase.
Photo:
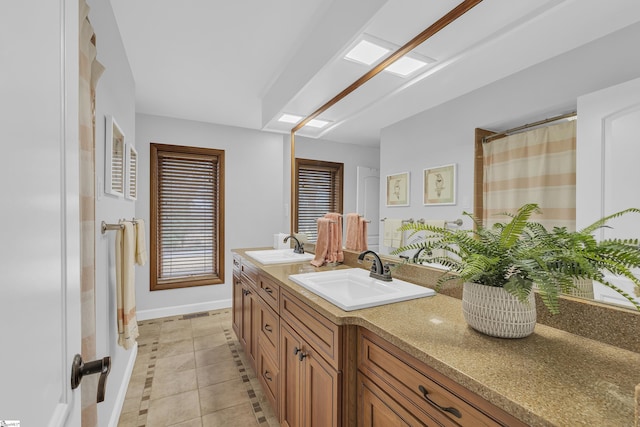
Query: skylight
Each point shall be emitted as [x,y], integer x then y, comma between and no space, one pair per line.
[367,52]
[289,118]
[317,123]
[405,66]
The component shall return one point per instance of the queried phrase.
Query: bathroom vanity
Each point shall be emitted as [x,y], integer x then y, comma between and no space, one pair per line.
[417,362]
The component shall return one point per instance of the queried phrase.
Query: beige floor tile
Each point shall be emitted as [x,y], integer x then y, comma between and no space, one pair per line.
[209,341]
[222,395]
[173,409]
[128,419]
[174,348]
[235,416]
[169,383]
[216,373]
[177,363]
[196,422]
[212,355]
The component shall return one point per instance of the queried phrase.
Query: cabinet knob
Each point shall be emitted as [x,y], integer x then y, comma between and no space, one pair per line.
[301,354]
[267,376]
[268,290]
[268,328]
[449,409]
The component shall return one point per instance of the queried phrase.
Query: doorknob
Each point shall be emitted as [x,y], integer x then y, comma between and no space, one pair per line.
[79,369]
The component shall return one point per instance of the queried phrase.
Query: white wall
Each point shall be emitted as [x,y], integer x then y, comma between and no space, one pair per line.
[115,95]
[253,201]
[445,134]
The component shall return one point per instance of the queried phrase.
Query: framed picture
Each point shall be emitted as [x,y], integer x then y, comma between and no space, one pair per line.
[440,185]
[132,172]
[114,158]
[398,189]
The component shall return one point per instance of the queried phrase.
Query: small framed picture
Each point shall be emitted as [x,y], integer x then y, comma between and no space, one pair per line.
[440,185]
[132,172]
[114,158]
[398,189]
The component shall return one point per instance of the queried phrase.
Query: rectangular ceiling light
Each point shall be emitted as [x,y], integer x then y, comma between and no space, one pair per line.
[405,66]
[289,118]
[366,52]
[317,123]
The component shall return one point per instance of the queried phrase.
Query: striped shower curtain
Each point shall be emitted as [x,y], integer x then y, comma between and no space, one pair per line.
[537,166]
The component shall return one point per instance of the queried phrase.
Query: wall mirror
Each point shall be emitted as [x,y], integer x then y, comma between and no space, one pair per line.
[614,70]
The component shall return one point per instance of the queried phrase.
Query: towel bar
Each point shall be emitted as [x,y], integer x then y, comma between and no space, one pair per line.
[104,227]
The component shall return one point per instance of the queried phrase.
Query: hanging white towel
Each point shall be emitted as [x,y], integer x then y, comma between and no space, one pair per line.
[141,244]
[392,235]
[126,286]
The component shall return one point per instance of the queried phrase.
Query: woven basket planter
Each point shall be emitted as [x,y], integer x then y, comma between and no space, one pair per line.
[495,312]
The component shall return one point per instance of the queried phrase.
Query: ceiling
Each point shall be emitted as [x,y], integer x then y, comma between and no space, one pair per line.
[244,63]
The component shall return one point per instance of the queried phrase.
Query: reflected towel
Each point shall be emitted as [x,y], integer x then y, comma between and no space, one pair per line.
[126,286]
[425,235]
[392,235]
[335,253]
[141,245]
[322,243]
[356,234]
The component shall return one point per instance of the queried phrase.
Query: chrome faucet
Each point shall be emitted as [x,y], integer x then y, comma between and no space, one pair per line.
[299,249]
[379,270]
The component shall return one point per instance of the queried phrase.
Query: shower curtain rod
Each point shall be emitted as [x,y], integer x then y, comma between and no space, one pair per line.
[527,126]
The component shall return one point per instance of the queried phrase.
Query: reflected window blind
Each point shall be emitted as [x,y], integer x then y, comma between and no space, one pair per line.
[319,191]
[188,214]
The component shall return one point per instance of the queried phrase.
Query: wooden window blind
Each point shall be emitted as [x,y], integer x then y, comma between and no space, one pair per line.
[318,191]
[187,221]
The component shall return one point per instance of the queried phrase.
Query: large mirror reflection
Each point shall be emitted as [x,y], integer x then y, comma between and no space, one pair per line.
[489,88]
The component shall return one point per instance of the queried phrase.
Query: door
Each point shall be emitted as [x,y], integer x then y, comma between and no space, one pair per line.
[39,238]
[368,202]
[606,167]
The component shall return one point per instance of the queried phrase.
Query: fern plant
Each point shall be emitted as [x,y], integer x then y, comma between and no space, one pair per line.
[516,254]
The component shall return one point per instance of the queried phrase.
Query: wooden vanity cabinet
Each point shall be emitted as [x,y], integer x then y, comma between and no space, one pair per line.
[236,295]
[393,385]
[310,366]
[249,306]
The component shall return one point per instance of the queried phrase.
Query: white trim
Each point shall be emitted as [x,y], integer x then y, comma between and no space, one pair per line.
[182,309]
[59,415]
[124,385]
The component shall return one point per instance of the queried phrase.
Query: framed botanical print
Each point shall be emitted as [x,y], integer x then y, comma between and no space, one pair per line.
[398,189]
[440,185]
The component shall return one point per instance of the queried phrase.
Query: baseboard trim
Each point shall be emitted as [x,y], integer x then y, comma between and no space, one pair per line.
[124,385]
[177,310]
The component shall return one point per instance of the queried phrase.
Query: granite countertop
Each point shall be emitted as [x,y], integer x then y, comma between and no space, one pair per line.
[551,378]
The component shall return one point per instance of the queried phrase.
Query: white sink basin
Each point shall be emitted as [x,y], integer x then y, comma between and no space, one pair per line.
[353,289]
[279,256]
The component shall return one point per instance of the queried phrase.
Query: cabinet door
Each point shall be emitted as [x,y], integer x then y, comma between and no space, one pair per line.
[377,409]
[237,305]
[321,392]
[248,335]
[290,378]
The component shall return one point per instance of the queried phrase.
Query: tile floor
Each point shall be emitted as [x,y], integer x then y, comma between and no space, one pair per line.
[190,372]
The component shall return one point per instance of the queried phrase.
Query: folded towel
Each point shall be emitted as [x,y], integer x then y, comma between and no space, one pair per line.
[353,232]
[322,243]
[392,237]
[363,245]
[126,286]
[335,253]
[141,249]
[356,234]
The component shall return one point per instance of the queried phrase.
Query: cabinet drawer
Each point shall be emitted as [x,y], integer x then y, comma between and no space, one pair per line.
[268,374]
[317,330]
[269,333]
[269,290]
[427,389]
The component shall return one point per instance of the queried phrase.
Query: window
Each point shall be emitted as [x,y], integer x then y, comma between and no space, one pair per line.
[318,191]
[187,216]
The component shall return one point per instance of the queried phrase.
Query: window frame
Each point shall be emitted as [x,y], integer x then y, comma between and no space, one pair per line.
[337,171]
[155,283]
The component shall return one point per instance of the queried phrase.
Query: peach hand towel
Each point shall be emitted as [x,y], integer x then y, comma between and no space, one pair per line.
[353,232]
[363,244]
[126,286]
[141,244]
[335,253]
[322,243]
